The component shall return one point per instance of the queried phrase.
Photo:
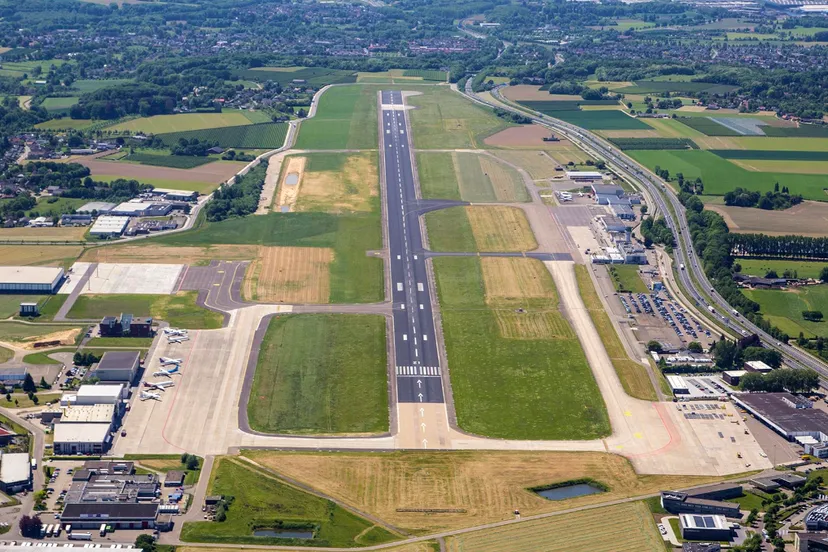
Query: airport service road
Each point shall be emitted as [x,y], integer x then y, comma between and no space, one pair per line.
[417,361]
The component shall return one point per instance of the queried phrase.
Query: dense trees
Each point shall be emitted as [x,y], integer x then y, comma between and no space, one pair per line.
[238,200]
[788,247]
[781,379]
[192,147]
[657,231]
[775,200]
[115,102]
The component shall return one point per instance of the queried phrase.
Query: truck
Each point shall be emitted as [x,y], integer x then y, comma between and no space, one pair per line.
[711,309]
[50,529]
[103,529]
[681,266]
[80,536]
[57,530]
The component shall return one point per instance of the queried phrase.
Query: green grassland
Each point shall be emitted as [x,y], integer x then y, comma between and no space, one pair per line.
[512,388]
[445,120]
[777,155]
[760,143]
[802,131]
[137,342]
[460,176]
[200,187]
[159,124]
[550,107]
[42,357]
[47,207]
[438,179]
[721,176]
[450,230]
[179,310]
[10,304]
[17,69]
[708,126]
[426,74]
[244,136]
[260,500]
[601,120]
[784,309]
[625,278]
[172,161]
[65,124]
[355,277]
[760,267]
[18,331]
[346,118]
[6,355]
[58,104]
[85,86]
[682,87]
[321,373]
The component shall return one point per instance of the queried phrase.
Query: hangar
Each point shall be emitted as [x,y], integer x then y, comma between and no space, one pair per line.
[30,279]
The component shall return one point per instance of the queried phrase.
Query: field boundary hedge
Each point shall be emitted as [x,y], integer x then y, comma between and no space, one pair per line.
[772,155]
[654,143]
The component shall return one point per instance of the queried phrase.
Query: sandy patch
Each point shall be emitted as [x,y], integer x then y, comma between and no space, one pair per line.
[66,337]
[289,189]
[499,228]
[348,189]
[524,136]
[162,254]
[290,275]
[809,218]
[274,168]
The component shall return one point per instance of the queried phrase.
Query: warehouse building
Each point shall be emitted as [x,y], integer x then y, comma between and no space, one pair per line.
[89,414]
[118,498]
[142,209]
[118,366]
[96,208]
[793,417]
[109,227]
[131,515]
[705,500]
[810,542]
[30,279]
[705,527]
[757,366]
[15,472]
[174,195]
[584,176]
[817,519]
[101,394]
[83,438]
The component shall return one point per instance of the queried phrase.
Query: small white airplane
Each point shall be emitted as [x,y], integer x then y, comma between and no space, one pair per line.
[169,361]
[146,395]
[174,331]
[166,372]
[179,339]
[580,194]
[159,386]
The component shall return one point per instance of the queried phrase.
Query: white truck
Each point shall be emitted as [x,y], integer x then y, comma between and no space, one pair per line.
[711,309]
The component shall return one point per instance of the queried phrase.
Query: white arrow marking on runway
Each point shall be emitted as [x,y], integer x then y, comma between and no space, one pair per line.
[421,397]
[422,412]
[420,384]
[422,425]
[425,443]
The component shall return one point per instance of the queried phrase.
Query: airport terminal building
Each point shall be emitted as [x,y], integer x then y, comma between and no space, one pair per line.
[30,279]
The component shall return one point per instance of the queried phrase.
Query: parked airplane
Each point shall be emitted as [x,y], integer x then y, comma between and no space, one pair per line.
[145,396]
[566,198]
[179,339]
[159,386]
[166,372]
[174,331]
[168,361]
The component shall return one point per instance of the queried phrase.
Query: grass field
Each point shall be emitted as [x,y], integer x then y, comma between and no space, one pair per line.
[56,234]
[47,207]
[42,357]
[777,166]
[537,163]
[137,342]
[10,304]
[625,278]
[355,277]
[312,368]
[85,86]
[24,333]
[748,501]
[485,486]
[633,375]
[6,355]
[246,136]
[480,228]
[345,119]
[570,532]
[469,177]
[707,126]
[149,252]
[721,176]
[759,267]
[547,380]
[784,309]
[339,183]
[58,104]
[65,123]
[773,155]
[160,124]
[315,76]
[200,187]
[179,310]
[22,400]
[601,120]
[445,120]
[173,161]
[262,501]
[165,463]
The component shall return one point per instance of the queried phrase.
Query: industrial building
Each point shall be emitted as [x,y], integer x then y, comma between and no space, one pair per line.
[810,542]
[12,377]
[135,208]
[733,377]
[100,394]
[705,527]
[75,220]
[704,500]
[793,417]
[125,325]
[118,366]
[174,195]
[96,208]
[817,519]
[584,176]
[30,279]
[83,438]
[174,478]
[109,226]
[130,515]
[678,385]
[89,414]
[15,472]
[757,366]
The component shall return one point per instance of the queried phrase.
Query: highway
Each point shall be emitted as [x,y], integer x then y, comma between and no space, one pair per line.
[693,278]
[417,361]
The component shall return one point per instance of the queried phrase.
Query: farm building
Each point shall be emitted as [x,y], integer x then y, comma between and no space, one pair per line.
[120,366]
[107,226]
[30,279]
[706,527]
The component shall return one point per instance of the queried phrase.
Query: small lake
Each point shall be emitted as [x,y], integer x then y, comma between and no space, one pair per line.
[570,491]
[292,179]
[283,533]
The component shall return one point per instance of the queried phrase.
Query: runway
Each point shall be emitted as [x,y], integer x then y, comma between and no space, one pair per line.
[418,373]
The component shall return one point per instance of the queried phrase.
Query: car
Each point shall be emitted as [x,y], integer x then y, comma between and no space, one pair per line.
[123,433]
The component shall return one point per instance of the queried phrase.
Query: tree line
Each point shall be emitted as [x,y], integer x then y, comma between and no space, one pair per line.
[238,200]
[781,379]
[785,247]
[776,200]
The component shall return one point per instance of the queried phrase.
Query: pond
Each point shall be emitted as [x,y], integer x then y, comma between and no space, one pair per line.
[283,533]
[292,179]
[570,491]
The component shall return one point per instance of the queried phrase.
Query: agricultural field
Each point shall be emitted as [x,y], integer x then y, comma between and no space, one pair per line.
[17,69]
[86,86]
[538,164]
[180,122]
[469,177]
[484,486]
[784,309]
[64,124]
[261,501]
[806,219]
[315,76]
[633,375]
[203,177]
[627,143]
[246,136]
[311,369]
[26,234]
[151,252]
[772,155]
[570,532]
[779,166]
[773,144]
[550,107]
[708,126]
[58,104]
[339,183]
[172,161]
[355,277]
[504,361]
[760,267]
[38,255]
[480,228]
[346,118]
[601,120]
[290,275]
[720,176]
[445,120]
[172,184]
[179,309]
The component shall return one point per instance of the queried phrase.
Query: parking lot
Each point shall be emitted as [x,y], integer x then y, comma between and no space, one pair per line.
[117,278]
[658,317]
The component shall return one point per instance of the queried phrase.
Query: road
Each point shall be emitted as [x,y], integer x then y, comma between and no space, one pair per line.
[693,278]
[417,360]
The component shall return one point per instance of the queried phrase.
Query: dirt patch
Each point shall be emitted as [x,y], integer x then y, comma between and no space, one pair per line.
[291,275]
[289,187]
[349,189]
[66,337]
[267,197]
[499,228]
[538,164]
[505,181]
[178,255]
[629,133]
[39,255]
[531,92]
[511,281]
[219,171]
[523,136]
[809,218]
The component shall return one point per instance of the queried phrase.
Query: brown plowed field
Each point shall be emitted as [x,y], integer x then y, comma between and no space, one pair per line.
[68,233]
[151,253]
[291,275]
[499,228]
[809,218]
[218,171]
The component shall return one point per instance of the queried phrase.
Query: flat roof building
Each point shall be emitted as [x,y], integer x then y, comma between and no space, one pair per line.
[100,394]
[99,207]
[705,527]
[786,414]
[584,176]
[142,209]
[677,502]
[88,414]
[757,366]
[679,385]
[121,366]
[733,377]
[131,515]
[817,519]
[81,438]
[15,472]
[607,189]
[30,279]
[174,478]
[108,226]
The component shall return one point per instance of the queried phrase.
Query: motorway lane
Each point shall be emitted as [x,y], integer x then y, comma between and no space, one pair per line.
[417,362]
